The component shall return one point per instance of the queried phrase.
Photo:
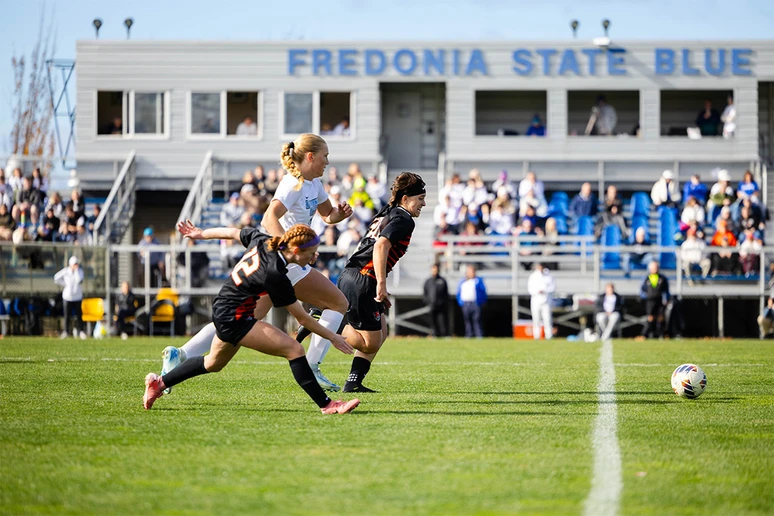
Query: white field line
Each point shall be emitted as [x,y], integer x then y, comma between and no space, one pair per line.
[607,483]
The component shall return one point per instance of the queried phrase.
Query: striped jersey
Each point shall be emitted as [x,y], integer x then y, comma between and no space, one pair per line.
[395,224]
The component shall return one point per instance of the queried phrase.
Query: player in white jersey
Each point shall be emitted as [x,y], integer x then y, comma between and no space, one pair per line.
[300,194]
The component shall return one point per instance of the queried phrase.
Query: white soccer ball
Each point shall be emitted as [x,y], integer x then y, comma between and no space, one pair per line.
[689,381]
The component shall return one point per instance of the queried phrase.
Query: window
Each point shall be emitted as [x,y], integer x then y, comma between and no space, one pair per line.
[110,113]
[510,113]
[224,113]
[603,113]
[694,113]
[325,113]
[130,113]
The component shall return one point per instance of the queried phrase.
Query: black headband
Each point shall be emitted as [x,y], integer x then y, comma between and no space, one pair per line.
[291,146]
[417,188]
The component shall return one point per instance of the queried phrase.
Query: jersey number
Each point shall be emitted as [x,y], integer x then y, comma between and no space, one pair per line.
[248,265]
[373,230]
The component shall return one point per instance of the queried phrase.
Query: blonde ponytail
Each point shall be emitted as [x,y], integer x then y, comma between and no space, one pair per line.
[294,152]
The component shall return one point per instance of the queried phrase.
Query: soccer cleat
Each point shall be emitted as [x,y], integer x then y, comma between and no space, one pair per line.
[340,406]
[63,335]
[302,332]
[356,387]
[171,358]
[82,335]
[326,384]
[154,389]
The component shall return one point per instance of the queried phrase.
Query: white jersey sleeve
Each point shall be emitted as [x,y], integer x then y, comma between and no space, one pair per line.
[301,204]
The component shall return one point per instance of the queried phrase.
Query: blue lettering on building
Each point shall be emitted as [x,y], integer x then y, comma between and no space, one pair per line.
[567,62]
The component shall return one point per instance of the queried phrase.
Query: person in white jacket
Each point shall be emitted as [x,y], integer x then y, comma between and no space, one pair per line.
[666,191]
[541,287]
[728,117]
[71,279]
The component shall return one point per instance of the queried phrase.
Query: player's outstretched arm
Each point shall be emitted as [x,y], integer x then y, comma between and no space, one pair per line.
[334,214]
[189,230]
[309,322]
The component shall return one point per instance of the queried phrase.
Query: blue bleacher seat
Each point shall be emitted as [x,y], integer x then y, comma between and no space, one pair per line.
[585,226]
[640,204]
[667,227]
[561,224]
[560,204]
[611,236]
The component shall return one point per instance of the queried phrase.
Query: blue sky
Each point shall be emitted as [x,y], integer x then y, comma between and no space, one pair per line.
[329,20]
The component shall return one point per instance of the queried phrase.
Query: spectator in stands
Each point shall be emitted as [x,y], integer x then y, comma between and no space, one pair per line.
[766,319]
[692,255]
[502,182]
[447,212]
[82,236]
[70,218]
[550,237]
[361,211]
[247,127]
[359,192]
[696,189]
[436,298]
[537,205]
[708,119]
[71,279]
[471,296]
[526,233]
[725,262]
[501,218]
[156,258]
[693,211]
[92,219]
[666,191]
[541,287]
[727,220]
[232,211]
[377,191]
[531,182]
[476,193]
[15,182]
[39,181]
[473,215]
[116,127]
[200,264]
[28,202]
[125,307]
[729,119]
[606,117]
[584,204]
[248,178]
[747,220]
[723,233]
[536,127]
[453,188]
[721,194]
[7,224]
[636,254]
[611,218]
[750,253]
[333,177]
[342,128]
[49,227]
[609,310]
[655,293]
[230,254]
[612,198]
[55,203]
[348,240]
[6,194]
[272,181]
[79,205]
[330,235]
[748,188]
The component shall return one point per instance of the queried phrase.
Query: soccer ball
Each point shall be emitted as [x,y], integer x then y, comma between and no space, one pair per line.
[689,381]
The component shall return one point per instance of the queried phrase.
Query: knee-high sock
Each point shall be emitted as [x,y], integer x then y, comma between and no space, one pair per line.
[331,320]
[199,343]
[188,369]
[305,378]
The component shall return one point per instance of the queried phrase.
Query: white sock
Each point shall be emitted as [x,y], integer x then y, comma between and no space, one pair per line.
[331,320]
[199,343]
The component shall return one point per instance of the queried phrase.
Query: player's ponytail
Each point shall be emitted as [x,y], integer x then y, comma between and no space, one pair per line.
[294,153]
[300,235]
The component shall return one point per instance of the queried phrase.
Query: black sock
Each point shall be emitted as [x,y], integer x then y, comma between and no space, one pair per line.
[360,368]
[188,369]
[305,378]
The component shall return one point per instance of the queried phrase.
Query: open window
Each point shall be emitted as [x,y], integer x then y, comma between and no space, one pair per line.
[693,113]
[242,113]
[132,113]
[111,113]
[603,113]
[322,112]
[510,113]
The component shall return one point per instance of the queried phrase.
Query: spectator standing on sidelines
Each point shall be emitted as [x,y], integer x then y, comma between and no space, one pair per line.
[157,262]
[71,278]
[436,297]
[609,309]
[655,292]
[471,296]
[541,287]
[766,319]
[126,306]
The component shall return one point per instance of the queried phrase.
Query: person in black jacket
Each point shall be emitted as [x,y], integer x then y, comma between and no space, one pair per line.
[436,297]
[126,306]
[655,293]
[609,310]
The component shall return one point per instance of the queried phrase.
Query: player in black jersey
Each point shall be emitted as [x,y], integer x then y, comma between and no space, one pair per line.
[261,271]
[364,279]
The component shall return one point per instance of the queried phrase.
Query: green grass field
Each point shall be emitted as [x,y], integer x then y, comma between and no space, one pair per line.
[485,427]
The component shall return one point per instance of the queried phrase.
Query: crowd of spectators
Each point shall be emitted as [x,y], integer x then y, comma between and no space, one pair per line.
[722,216]
[366,195]
[30,212]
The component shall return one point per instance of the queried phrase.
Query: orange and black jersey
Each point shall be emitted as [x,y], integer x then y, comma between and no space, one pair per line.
[258,273]
[395,224]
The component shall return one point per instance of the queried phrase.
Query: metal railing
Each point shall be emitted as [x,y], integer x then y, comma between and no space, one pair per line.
[118,208]
[201,192]
[441,178]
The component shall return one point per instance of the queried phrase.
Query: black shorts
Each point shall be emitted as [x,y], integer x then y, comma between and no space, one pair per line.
[654,307]
[364,312]
[233,330]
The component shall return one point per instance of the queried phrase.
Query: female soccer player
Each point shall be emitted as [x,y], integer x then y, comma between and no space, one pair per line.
[299,195]
[262,270]
[364,279]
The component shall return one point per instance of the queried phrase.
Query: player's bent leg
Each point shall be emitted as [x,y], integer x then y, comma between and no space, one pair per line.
[367,344]
[268,339]
[197,345]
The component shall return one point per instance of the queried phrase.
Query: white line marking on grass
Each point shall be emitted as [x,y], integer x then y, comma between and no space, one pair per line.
[703,365]
[261,362]
[607,484]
